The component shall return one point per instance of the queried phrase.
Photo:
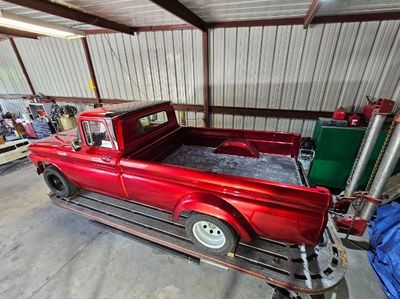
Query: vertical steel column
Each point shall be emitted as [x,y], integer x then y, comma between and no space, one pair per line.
[369,144]
[385,170]
[21,64]
[206,83]
[91,69]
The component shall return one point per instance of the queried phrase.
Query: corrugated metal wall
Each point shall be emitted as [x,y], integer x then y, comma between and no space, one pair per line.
[12,80]
[149,66]
[283,67]
[291,68]
[16,106]
[56,67]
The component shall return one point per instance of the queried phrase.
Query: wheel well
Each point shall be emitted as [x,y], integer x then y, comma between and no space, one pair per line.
[240,226]
[40,167]
[215,207]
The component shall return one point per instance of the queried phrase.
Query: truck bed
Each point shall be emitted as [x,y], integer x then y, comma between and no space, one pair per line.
[277,168]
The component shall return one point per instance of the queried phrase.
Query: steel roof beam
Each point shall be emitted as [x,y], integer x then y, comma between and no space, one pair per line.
[89,62]
[365,17]
[17,33]
[73,14]
[178,9]
[22,65]
[312,11]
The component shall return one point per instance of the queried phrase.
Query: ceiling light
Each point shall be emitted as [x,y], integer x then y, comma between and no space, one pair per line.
[14,21]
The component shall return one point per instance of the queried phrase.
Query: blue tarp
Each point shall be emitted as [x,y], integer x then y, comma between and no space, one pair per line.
[384,255]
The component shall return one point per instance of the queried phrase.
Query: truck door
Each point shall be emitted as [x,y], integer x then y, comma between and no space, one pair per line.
[95,164]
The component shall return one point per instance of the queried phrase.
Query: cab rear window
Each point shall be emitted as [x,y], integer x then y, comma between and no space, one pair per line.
[150,122]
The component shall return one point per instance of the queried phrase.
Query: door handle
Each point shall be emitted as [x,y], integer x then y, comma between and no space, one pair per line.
[106,159]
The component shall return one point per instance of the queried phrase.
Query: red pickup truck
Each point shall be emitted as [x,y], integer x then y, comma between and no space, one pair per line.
[232,183]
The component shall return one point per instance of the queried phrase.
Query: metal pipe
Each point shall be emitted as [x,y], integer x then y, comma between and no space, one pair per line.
[385,170]
[369,144]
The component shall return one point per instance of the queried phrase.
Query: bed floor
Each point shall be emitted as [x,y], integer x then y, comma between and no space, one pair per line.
[268,167]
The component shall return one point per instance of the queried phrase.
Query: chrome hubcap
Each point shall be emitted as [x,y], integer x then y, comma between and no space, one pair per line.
[209,234]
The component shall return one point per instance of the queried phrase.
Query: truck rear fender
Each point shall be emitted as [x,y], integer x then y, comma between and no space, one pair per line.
[216,207]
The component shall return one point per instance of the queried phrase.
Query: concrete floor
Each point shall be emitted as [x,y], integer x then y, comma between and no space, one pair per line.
[48,252]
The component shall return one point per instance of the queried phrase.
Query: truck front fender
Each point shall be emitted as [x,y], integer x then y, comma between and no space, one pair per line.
[216,207]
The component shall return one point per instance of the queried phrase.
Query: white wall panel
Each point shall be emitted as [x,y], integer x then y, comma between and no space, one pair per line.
[16,106]
[12,80]
[56,67]
[287,67]
[149,66]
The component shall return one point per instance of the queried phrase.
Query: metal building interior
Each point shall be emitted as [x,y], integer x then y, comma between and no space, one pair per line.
[265,166]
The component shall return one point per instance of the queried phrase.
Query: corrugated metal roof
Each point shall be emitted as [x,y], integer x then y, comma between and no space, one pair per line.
[150,66]
[41,16]
[12,80]
[236,10]
[358,6]
[128,12]
[287,67]
[215,11]
[55,66]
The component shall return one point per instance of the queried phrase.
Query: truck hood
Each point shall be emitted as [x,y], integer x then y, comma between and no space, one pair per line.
[57,140]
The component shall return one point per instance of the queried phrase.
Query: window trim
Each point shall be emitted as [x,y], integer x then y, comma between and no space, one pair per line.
[107,131]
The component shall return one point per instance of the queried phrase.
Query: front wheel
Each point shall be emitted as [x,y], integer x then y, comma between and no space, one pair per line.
[211,234]
[58,183]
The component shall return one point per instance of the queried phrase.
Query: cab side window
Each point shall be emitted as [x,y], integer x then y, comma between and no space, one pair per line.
[96,134]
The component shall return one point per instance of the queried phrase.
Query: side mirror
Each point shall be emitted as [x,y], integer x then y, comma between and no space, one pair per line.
[76,144]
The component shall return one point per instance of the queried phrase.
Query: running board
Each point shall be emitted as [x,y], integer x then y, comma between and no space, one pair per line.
[309,270]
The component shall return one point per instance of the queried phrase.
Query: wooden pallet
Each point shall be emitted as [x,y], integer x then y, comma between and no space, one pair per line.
[297,268]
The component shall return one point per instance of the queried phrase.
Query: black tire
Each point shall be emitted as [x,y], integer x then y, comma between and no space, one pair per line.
[217,228]
[58,183]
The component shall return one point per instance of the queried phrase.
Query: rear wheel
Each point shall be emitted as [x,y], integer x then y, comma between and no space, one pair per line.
[211,234]
[58,183]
